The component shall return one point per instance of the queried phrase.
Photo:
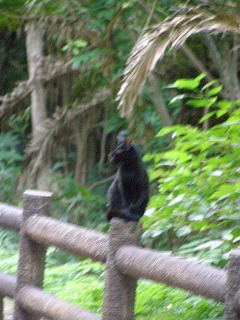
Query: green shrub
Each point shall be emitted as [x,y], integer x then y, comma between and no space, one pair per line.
[196,209]
[10,165]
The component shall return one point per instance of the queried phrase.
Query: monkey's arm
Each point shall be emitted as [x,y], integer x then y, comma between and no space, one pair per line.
[138,207]
[115,204]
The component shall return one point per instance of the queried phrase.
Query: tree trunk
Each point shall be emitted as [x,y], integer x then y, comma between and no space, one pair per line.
[159,103]
[34,46]
[80,131]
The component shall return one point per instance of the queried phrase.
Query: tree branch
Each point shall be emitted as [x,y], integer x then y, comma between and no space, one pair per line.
[150,16]
[195,61]
[159,103]
[97,183]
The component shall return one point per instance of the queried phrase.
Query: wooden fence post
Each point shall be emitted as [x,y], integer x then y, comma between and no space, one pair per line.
[31,254]
[233,286]
[119,291]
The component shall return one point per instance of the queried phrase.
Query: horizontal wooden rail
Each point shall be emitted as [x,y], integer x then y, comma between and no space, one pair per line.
[202,280]
[43,304]
[68,237]
[10,217]
[7,285]
[37,301]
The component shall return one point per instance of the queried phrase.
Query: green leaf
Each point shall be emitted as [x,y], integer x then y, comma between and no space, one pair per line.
[224,191]
[214,91]
[209,245]
[80,43]
[176,200]
[198,103]
[230,123]
[221,113]
[183,231]
[180,129]
[189,84]
[224,104]
[66,47]
[207,116]
[209,84]
[127,4]
[165,131]
[236,103]
[179,97]
[75,51]
[216,173]
[201,103]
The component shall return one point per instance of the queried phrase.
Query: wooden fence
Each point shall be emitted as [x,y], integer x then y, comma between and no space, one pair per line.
[125,263]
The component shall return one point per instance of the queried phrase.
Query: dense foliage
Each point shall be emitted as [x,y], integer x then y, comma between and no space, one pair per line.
[198,179]
[10,158]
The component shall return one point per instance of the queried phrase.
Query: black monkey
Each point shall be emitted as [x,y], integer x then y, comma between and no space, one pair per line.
[128,194]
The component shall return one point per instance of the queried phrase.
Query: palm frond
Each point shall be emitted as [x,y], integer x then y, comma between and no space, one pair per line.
[169,34]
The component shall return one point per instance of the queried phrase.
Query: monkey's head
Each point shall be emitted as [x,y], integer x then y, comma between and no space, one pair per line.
[120,153]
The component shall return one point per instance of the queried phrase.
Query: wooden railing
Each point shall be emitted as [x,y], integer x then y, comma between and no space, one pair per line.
[125,263]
